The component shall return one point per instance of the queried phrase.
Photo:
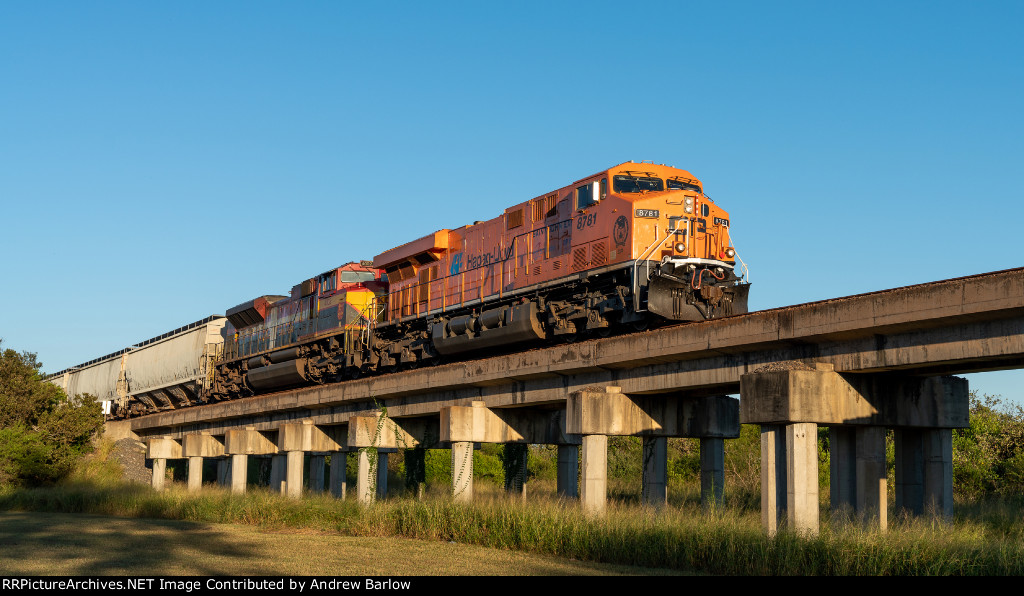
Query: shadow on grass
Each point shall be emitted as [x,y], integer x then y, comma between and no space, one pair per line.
[52,543]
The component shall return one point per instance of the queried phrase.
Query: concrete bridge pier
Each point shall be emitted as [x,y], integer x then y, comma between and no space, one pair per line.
[416,471]
[712,471]
[858,482]
[239,472]
[372,474]
[159,472]
[197,447]
[376,437]
[462,470]
[160,450]
[382,472]
[654,480]
[317,462]
[337,478]
[239,445]
[928,488]
[790,404]
[789,477]
[296,439]
[597,414]
[594,473]
[568,483]
[224,471]
[278,464]
[516,427]
[195,474]
[516,458]
[293,473]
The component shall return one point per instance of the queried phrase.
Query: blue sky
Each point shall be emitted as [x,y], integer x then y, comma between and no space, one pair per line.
[161,162]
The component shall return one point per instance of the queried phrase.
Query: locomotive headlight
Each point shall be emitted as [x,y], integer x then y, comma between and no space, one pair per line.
[730,253]
[688,208]
[680,247]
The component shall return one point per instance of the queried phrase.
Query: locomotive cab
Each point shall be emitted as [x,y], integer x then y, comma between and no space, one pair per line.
[686,266]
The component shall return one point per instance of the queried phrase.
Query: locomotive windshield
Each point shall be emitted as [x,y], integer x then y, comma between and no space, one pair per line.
[638,183]
[677,184]
[348,277]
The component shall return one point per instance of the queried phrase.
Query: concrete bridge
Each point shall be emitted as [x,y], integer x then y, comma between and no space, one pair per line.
[858,364]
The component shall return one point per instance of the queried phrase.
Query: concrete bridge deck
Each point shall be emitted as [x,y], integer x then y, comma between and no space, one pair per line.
[858,363]
[961,325]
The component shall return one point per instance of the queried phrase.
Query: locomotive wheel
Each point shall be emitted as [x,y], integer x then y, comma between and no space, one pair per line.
[643,325]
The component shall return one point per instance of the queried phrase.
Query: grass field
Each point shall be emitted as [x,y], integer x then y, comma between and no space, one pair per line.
[985,538]
[35,543]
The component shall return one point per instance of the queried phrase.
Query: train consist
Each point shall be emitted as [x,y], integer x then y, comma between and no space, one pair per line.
[630,245]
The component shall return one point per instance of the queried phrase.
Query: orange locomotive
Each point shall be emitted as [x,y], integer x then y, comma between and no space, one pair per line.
[612,248]
[624,246]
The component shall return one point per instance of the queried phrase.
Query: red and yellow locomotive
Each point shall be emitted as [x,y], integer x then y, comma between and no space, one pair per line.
[621,247]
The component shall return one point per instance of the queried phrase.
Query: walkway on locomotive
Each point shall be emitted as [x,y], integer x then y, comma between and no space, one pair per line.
[652,214]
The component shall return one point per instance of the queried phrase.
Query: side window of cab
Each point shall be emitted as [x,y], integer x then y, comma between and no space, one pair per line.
[590,193]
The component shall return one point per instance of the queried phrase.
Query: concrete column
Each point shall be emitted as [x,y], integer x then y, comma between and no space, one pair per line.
[278,463]
[224,471]
[462,471]
[262,471]
[872,484]
[339,463]
[654,481]
[195,474]
[789,477]
[365,485]
[842,474]
[924,471]
[239,472]
[382,474]
[938,472]
[416,471]
[909,472]
[595,473]
[773,477]
[159,473]
[293,473]
[516,457]
[316,473]
[712,471]
[802,477]
[569,471]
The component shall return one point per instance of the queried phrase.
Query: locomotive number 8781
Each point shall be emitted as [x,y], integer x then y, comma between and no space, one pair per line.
[632,243]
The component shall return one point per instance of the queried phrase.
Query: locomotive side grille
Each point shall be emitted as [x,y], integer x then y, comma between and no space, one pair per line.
[538,210]
[515,219]
[424,284]
[579,259]
[599,254]
[557,265]
[552,200]
[536,269]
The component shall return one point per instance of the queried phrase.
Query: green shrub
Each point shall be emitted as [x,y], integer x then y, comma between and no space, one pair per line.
[43,432]
[988,457]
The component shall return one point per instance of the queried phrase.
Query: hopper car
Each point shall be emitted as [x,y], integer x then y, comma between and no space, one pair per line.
[629,246]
